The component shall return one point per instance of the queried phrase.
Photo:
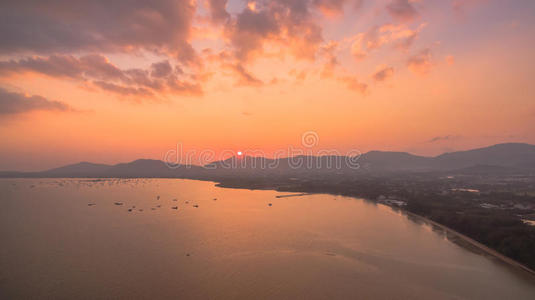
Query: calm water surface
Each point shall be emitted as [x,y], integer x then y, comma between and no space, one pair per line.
[53,245]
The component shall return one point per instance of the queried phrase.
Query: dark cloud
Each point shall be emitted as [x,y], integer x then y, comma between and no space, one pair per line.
[383,73]
[218,11]
[287,22]
[98,66]
[161,69]
[123,90]
[161,78]
[60,32]
[183,87]
[402,10]
[250,30]
[443,138]
[290,26]
[16,103]
[95,66]
[67,26]
[57,66]
[261,23]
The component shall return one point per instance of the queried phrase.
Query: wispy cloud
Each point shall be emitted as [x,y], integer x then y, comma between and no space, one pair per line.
[400,36]
[444,138]
[160,78]
[245,77]
[420,63]
[354,84]
[383,73]
[12,103]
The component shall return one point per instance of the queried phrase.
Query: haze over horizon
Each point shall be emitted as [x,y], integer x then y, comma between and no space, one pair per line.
[114,82]
[506,157]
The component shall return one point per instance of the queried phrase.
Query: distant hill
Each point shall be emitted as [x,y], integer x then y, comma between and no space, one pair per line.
[149,168]
[137,168]
[395,161]
[503,155]
[79,169]
[512,155]
[501,158]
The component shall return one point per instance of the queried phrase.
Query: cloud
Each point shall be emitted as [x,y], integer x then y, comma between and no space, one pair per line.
[335,7]
[358,50]
[160,78]
[402,10]
[329,52]
[399,36]
[286,24]
[383,73]
[250,30]
[161,69]
[443,138]
[277,28]
[15,103]
[244,77]
[55,38]
[354,84]
[218,11]
[96,66]
[123,90]
[176,86]
[67,26]
[420,63]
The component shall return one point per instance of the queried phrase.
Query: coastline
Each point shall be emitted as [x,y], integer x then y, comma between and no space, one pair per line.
[484,249]
[465,241]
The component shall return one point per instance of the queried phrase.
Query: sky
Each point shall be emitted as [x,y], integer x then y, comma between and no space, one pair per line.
[115,81]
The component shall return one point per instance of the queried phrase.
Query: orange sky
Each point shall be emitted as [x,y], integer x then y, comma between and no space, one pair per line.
[122,82]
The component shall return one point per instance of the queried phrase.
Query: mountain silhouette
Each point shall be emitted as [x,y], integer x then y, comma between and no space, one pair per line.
[510,157]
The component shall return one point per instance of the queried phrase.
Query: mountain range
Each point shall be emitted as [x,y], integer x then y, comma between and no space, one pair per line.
[500,158]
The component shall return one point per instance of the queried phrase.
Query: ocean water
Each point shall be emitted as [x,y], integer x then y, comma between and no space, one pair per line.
[226,244]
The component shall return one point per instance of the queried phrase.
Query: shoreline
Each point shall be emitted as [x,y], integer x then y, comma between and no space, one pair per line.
[484,249]
[292,195]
